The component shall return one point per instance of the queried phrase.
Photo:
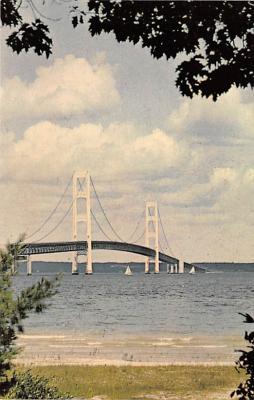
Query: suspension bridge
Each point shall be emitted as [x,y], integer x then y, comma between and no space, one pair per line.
[82,241]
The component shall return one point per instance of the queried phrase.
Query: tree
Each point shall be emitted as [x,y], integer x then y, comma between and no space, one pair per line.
[214,39]
[245,390]
[13,310]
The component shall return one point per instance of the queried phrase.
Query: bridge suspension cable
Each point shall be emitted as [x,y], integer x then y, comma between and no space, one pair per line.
[136,228]
[140,237]
[57,225]
[111,226]
[53,211]
[164,234]
[100,228]
[104,213]
[161,247]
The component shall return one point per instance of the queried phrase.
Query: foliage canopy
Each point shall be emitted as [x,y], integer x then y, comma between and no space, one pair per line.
[213,39]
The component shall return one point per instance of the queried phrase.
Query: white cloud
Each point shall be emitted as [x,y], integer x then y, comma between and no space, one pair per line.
[249,176]
[229,116]
[197,194]
[222,176]
[126,164]
[70,86]
[49,150]
[205,192]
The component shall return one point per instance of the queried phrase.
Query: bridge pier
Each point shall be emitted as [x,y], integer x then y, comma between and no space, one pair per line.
[173,269]
[89,268]
[29,266]
[157,265]
[181,266]
[89,263]
[74,266]
[147,266]
[14,266]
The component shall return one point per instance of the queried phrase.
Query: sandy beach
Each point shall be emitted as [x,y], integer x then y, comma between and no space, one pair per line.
[110,366]
[78,349]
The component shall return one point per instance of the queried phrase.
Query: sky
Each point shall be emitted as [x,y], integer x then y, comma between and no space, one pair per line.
[113,110]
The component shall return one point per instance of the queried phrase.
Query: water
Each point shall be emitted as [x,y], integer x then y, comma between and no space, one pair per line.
[146,304]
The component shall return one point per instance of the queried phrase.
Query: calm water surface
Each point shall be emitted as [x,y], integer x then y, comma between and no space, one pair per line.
[146,304]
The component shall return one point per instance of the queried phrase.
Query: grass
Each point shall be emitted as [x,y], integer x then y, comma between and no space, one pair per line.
[129,382]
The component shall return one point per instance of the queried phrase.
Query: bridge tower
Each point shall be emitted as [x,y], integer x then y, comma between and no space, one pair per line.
[81,213]
[152,234]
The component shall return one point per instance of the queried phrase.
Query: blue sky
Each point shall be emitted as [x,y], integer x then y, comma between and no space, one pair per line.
[114,110]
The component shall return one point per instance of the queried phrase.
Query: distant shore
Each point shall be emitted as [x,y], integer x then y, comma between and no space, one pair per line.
[117,267]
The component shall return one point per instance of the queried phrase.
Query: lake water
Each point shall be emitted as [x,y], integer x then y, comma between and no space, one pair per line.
[146,304]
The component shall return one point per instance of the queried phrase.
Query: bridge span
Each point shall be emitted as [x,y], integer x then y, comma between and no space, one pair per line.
[82,213]
[81,246]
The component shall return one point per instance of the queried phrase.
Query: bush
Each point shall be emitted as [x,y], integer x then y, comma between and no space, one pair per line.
[28,386]
[245,390]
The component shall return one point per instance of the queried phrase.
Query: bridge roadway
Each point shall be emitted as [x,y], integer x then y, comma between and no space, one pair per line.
[61,247]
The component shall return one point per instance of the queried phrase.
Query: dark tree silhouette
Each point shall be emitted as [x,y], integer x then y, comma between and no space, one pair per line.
[245,390]
[248,318]
[214,39]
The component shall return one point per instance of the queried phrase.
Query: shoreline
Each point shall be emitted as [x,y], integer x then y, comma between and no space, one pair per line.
[117,363]
[127,350]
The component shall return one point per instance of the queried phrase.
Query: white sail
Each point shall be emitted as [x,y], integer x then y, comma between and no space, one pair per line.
[128,271]
[192,271]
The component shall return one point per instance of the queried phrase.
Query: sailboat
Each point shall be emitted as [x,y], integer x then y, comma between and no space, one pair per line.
[193,270]
[128,271]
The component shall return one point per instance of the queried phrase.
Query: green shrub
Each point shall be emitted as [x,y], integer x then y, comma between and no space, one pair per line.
[245,390]
[25,385]
[14,309]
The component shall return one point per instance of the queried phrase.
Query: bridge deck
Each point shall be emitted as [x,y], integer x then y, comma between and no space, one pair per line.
[61,247]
